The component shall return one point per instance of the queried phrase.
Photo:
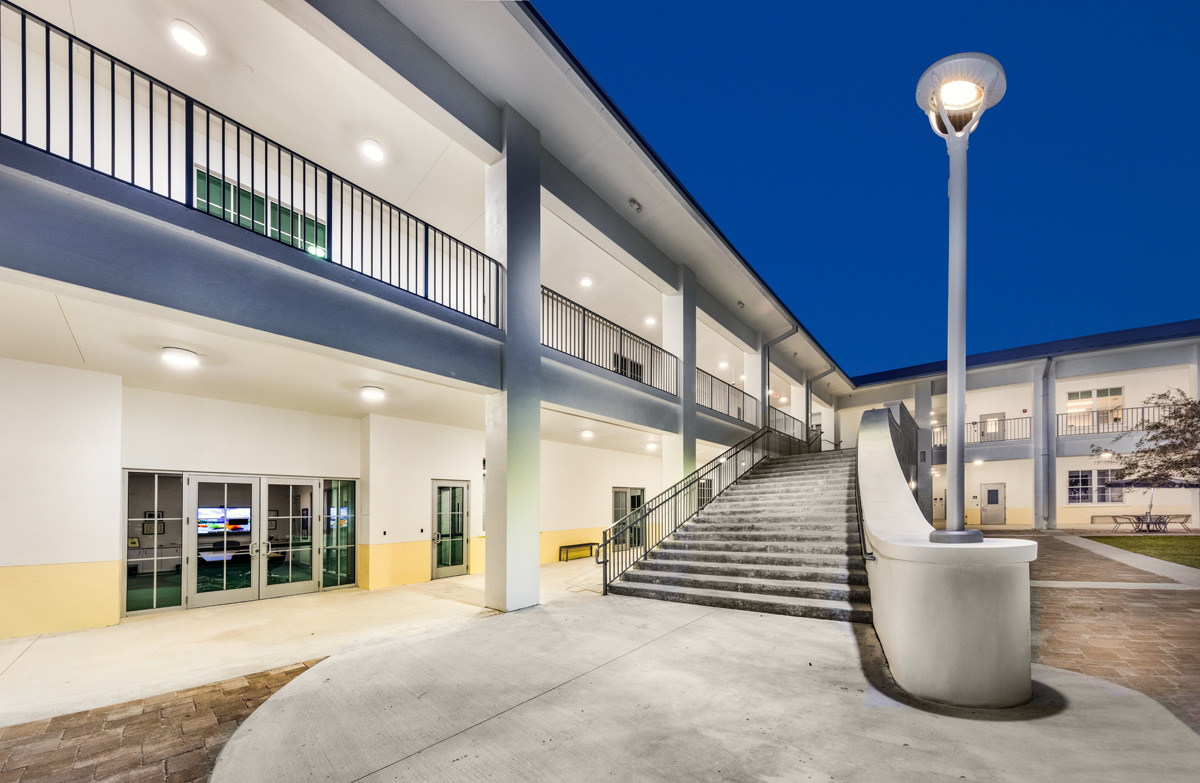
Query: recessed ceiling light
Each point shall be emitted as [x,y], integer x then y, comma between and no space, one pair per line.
[585,281]
[372,150]
[723,365]
[978,462]
[783,399]
[373,393]
[180,357]
[722,460]
[742,378]
[770,392]
[651,446]
[586,434]
[188,38]
[651,320]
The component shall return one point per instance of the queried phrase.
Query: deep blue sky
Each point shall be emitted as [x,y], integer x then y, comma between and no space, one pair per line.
[794,125]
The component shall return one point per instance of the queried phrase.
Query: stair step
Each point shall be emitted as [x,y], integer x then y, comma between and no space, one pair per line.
[757,571]
[769,604]
[782,514]
[798,547]
[689,533]
[830,591]
[767,526]
[757,558]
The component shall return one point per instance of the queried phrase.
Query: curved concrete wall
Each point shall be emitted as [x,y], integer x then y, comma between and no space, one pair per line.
[953,619]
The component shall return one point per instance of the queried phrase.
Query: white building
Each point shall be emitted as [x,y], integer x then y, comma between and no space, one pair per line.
[1033,417]
[408,256]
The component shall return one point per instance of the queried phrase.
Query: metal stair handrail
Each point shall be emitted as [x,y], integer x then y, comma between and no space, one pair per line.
[628,539]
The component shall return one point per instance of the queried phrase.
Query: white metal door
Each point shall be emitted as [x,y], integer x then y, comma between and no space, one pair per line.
[991,504]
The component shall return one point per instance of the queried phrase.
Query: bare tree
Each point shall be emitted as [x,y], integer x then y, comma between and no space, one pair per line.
[1168,448]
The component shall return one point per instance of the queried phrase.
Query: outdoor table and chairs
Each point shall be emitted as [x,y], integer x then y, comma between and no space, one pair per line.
[1152,523]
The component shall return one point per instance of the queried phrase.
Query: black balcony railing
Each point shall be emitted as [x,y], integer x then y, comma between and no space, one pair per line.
[64,96]
[1110,421]
[575,330]
[784,422]
[715,394]
[990,430]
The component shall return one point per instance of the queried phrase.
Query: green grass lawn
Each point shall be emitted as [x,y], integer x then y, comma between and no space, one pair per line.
[1184,550]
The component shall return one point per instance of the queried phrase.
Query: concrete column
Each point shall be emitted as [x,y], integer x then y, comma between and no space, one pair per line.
[808,422]
[836,435]
[679,337]
[924,402]
[795,406]
[757,377]
[513,417]
[1045,448]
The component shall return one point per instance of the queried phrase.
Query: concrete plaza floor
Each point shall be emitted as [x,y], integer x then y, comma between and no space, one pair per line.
[62,673]
[425,683]
[634,689]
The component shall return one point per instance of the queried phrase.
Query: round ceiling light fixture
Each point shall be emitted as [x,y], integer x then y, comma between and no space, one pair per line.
[180,357]
[585,281]
[724,365]
[372,150]
[651,320]
[373,393]
[783,399]
[978,462]
[188,38]
[586,434]
[651,447]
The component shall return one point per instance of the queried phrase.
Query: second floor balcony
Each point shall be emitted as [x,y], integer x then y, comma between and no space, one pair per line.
[61,95]
[570,327]
[1111,421]
[717,395]
[990,430]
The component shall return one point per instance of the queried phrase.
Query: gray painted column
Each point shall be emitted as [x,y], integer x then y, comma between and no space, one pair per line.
[924,403]
[1045,448]
[513,417]
[679,337]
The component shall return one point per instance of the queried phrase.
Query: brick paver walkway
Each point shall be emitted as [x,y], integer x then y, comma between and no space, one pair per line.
[1144,639]
[174,737]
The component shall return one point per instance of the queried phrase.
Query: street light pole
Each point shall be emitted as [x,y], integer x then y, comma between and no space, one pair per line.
[954,92]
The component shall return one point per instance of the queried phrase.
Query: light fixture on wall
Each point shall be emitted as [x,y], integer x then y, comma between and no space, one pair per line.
[585,281]
[651,320]
[912,485]
[180,357]
[188,38]
[372,150]
[373,393]
[586,434]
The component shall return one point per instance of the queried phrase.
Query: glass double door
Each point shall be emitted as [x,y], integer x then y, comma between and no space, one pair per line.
[251,537]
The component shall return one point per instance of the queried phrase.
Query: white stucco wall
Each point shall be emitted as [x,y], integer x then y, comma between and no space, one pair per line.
[577,483]
[60,460]
[166,431]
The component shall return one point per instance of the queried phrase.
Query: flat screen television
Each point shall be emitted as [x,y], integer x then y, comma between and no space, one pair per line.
[222,520]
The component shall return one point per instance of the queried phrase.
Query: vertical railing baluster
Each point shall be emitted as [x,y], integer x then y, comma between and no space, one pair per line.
[189,153]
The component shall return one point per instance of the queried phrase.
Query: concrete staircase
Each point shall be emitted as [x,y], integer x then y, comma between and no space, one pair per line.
[782,539]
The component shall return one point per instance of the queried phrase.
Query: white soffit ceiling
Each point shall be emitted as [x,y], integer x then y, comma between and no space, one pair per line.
[47,324]
[476,38]
[562,426]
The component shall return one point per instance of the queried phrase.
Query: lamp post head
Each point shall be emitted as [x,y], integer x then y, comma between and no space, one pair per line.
[956,90]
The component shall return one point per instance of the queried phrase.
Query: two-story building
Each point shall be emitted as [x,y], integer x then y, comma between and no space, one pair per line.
[296,296]
[1034,417]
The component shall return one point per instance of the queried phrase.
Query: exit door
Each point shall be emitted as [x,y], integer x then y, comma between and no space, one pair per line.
[451,512]
[991,504]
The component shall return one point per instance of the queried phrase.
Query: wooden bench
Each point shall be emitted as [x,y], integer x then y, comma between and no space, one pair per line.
[564,551]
